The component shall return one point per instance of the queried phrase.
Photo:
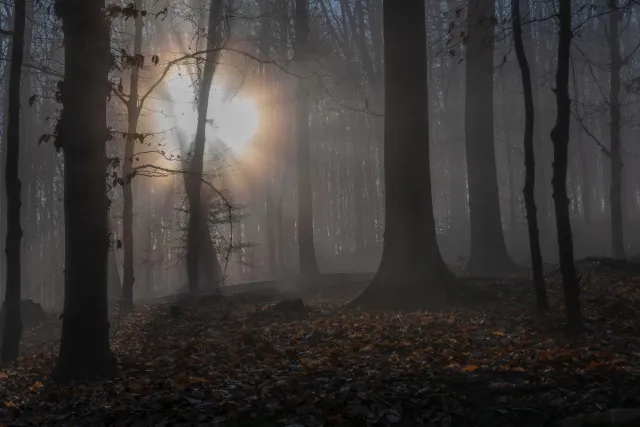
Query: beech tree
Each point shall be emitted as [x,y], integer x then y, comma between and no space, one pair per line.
[488,254]
[412,273]
[12,322]
[306,247]
[82,133]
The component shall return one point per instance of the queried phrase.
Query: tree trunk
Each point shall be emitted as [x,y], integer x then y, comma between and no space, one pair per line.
[12,322]
[306,247]
[615,192]
[542,302]
[197,226]
[560,138]
[133,114]
[488,251]
[82,133]
[412,273]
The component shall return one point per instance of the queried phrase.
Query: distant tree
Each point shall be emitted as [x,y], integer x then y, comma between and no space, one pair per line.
[488,250]
[133,115]
[412,273]
[82,133]
[529,159]
[306,247]
[12,322]
[615,191]
[560,138]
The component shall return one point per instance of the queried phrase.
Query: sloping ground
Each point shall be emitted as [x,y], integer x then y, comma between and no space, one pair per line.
[227,361]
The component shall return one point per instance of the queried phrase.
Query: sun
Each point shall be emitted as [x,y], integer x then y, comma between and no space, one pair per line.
[233,118]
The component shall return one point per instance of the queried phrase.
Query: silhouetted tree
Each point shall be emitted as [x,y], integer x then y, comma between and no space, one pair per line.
[560,138]
[488,251]
[133,115]
[82,133]
[197,241]
[306,247]
[411,272]
[529,160]
[12,322]
[615,191]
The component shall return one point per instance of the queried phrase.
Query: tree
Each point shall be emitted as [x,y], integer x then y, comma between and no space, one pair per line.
[412,272]
[133,114]
[615,192]
[197,229]
[12,322]
[306,248]
[529,160]
[488,250]
[82,133]
[560,138]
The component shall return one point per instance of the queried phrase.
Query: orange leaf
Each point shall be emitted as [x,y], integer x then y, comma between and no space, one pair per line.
[497,333]
[470,368]
[308,363]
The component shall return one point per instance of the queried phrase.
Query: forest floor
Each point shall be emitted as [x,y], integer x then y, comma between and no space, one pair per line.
[234,361]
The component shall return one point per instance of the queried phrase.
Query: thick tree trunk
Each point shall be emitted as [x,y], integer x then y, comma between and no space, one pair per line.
[615,192]
[197,226]
[542,302]
[560,138]
[488,251]
[133,114]
[306,247]
[82,132]
[412,273]
[12,322]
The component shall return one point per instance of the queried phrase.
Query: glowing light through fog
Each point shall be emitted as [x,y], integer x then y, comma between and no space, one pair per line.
[235,118]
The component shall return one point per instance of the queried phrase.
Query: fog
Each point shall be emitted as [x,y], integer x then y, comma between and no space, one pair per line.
[252,137]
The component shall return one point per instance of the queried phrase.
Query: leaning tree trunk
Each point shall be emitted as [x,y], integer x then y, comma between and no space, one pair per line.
[197,226]
[12,322]
[488,254]
[133,114]
[82,133]
[615,192]
[306,248]
[542,302]
[412,272]
[560,138]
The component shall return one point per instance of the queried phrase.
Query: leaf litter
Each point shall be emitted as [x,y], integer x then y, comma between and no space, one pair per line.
[228,362]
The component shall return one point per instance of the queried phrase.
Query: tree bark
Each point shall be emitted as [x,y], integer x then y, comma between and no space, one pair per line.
[542,302]
[412,273]
[197,226]
[615,192]
[560,138]
[82,133]
[489,254]
[306,247]
[12,322]
[133,114]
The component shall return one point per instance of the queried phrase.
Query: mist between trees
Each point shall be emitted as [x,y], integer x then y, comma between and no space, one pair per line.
[154,148]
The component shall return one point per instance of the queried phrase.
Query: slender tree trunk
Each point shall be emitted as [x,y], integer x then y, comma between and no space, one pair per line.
[542,302]
[412,272]
[82,133]
[197,226]
[615,192]
[560,138]
[12,322]
[133,114]
[306,247]
[488,251]
[269,138]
